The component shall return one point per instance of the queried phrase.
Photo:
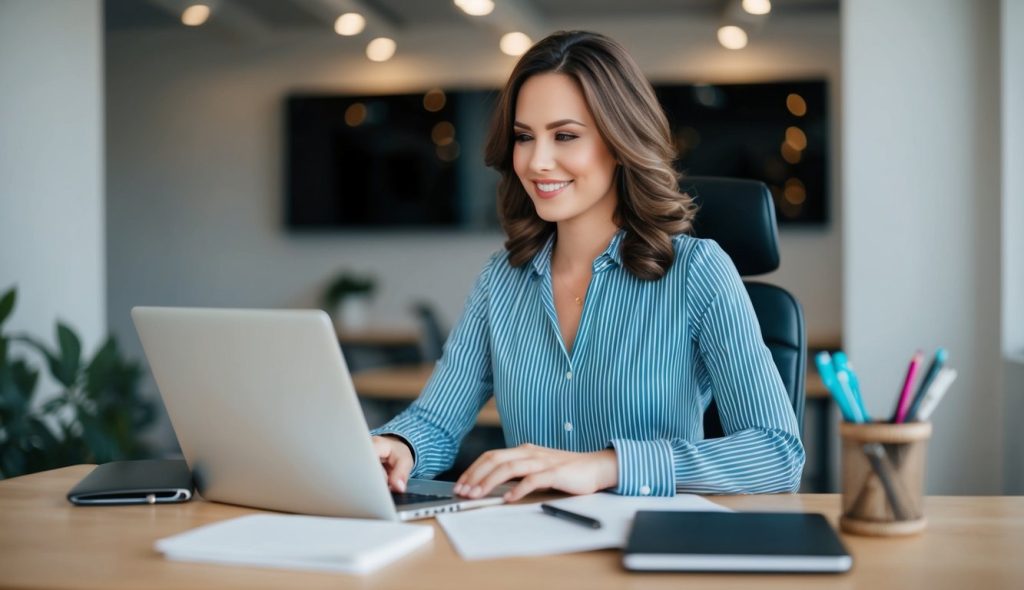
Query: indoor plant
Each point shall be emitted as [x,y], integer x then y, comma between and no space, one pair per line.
[347,298]
[96,417]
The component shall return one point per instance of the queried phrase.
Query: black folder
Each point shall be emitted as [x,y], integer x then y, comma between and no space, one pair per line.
[734,542]
[134,482]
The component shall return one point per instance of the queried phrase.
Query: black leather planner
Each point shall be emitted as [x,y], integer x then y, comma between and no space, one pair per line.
[734,542]
[134,482]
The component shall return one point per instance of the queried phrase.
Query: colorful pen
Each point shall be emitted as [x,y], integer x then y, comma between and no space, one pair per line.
[842,365]
[938,361]
[903,404]
[935,393]
[823,360]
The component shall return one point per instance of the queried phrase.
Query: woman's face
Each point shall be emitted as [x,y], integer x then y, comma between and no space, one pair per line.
[559,155]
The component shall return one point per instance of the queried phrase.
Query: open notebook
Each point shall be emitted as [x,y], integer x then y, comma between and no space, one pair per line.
[316,543]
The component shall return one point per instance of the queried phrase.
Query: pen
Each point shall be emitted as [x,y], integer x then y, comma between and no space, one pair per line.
[571,516]
[823,360]
[882,467]
[904,401]
[843,367]
[934,394]
[938,362]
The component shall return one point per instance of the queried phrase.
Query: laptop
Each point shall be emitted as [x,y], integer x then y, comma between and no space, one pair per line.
[266,415]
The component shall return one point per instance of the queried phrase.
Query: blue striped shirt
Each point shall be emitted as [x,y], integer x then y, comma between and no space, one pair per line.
[648,358]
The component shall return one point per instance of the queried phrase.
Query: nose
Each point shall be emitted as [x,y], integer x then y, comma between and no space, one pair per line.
[542,158]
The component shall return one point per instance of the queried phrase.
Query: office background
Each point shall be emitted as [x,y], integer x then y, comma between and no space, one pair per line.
[141,164]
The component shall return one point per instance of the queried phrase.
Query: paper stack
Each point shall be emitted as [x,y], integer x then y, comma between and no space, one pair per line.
[298,542]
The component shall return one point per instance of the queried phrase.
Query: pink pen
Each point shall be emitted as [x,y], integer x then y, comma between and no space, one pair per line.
[904,402]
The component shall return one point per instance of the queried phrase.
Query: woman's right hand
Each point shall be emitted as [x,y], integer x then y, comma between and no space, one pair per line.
[396,458]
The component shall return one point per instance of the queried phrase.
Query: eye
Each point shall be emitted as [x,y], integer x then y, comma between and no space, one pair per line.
[521,137]
[563,136]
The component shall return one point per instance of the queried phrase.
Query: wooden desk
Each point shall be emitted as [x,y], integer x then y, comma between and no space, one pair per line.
[45,542]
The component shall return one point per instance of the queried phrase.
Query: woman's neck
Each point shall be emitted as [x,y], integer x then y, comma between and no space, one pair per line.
[578,244]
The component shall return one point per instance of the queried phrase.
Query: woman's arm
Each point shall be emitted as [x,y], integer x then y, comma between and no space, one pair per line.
[761,451]
[460,385]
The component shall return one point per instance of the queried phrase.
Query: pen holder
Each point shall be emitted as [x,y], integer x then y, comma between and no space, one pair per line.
[883,478]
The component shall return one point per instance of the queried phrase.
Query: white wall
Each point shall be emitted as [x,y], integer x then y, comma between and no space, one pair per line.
[195,162]
[921,247]
[1012,109]
[51,165]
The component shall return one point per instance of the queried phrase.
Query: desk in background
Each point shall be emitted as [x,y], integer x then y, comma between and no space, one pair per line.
[45,542]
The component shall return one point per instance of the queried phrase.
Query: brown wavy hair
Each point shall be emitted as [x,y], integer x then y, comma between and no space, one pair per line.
[630,120]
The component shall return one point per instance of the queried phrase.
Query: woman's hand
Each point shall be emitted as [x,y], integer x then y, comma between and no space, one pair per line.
[541,468]
[396,458]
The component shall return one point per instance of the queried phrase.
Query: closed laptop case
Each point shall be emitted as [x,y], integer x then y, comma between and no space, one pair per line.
[734,542]
[134,482]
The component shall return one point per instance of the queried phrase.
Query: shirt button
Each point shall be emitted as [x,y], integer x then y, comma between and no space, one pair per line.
[568,426]
[568,375]
[645,490]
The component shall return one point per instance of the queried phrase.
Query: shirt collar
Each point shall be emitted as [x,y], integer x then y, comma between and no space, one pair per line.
[611,255]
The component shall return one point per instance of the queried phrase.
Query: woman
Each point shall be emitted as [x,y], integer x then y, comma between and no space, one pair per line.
[603,330]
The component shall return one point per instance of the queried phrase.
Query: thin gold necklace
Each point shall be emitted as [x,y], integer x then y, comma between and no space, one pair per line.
[577,298]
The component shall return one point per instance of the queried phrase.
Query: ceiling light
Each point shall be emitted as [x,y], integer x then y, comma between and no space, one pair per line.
[350,23]
[515,44]
[757,7]
[195,15]
[381,49]
[732,37]
[475,7]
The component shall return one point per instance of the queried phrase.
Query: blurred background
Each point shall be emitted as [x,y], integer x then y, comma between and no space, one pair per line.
[326,153]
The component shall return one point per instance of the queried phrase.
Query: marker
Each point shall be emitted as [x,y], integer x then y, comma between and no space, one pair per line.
[570,516]
[842,365]
[935,393]
[844,384]
[938,361]
[823,360]
[903,404]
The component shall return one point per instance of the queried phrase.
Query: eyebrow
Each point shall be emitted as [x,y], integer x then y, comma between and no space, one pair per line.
[558,123]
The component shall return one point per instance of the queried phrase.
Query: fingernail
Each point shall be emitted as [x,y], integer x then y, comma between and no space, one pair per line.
[458,488]
[477,492]
[401,485]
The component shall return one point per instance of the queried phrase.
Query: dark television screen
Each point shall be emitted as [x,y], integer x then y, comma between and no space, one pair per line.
[775,132]
[416,160]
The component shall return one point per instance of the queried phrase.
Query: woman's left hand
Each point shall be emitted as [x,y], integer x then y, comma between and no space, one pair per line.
[541,468]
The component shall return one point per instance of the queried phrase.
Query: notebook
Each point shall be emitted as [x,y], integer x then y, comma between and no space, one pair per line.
[314,543]
[734,542]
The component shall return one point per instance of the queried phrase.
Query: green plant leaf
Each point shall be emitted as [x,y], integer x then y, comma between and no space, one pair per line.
[51,359]
[7,303]
[100,372]
[70,355]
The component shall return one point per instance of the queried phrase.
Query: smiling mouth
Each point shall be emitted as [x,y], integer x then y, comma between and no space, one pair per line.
[549,189]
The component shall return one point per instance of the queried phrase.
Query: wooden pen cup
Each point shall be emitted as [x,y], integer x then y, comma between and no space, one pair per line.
[883,478]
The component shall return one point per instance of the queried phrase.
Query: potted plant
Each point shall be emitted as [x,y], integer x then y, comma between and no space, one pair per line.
[347,299]
[97,416]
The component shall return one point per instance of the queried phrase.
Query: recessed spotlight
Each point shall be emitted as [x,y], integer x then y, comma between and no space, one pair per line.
[381,49]
[515,43]
[476,7]
[732,37]
[350,23]
[195,15]
[757,7]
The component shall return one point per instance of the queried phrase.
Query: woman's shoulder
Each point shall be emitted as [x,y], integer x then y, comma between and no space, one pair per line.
[693,252]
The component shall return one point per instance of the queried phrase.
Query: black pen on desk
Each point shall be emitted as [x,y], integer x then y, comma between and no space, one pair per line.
[571,516]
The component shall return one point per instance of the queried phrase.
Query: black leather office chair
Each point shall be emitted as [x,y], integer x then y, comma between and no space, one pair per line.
[432,335]
[740,216]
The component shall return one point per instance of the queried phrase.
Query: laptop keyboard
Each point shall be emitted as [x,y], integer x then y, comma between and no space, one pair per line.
[412,498]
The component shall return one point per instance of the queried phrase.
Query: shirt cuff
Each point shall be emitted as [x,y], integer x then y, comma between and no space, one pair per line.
[420,440]
[645,468]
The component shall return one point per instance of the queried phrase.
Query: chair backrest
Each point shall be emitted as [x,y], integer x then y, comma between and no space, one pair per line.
[740,216]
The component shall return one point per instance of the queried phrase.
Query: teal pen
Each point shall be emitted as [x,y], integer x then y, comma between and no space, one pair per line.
[842,365]
[823,360]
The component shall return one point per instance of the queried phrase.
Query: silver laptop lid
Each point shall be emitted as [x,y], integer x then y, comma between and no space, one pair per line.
[264,409]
